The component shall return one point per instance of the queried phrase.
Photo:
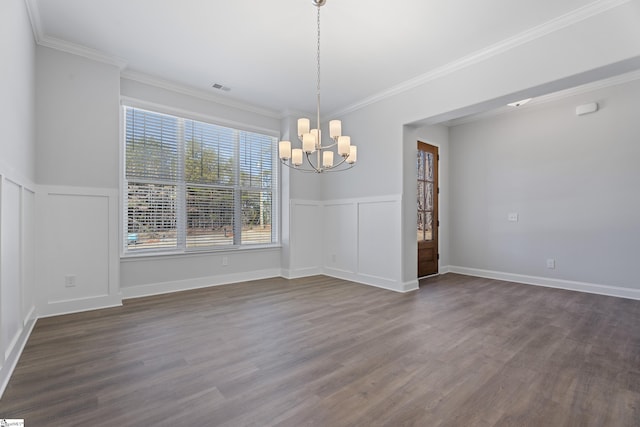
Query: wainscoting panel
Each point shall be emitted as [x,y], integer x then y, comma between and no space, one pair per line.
[361,242]
[306,238]
[341,237]
[28,254]
[17,266]
[379,235]
[10,280]
[79,233]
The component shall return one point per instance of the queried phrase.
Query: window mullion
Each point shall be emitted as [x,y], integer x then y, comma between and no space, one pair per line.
[237,194]
[181,190]
[275,194]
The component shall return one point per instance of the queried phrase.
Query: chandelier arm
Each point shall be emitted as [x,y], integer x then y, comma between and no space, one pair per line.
[318,168]
[344,159]
[299,169]
[325,147]
[344,169]
[332,169]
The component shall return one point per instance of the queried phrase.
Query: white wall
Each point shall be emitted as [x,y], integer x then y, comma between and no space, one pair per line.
[78,242]
[17,189]
[354,231]
[573,180]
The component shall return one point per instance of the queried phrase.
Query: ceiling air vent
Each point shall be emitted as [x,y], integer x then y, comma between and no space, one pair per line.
[220,87]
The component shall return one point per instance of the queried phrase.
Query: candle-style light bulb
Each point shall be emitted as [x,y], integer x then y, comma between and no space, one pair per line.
[353,155]
[296,157]
[284,150]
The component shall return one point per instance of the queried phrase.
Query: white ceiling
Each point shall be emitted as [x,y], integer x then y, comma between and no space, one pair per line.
[265,51]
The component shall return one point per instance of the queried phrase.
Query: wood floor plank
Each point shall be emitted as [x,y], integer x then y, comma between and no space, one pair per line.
[319,351]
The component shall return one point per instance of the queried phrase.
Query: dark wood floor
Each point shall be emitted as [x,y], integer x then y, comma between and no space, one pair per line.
[319,351]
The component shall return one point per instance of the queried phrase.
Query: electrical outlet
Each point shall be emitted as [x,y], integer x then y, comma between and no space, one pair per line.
[70,281]
[551,263]
[225,261]
[333,257]
[512,216]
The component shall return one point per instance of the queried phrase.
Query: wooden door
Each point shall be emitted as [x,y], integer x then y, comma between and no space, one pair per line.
[427,168]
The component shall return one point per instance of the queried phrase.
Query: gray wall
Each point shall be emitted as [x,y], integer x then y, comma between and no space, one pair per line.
[17,74]
[528,67]
[77,120]
[573,180]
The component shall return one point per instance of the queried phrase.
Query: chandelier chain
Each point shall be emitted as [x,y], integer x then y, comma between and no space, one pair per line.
[311,138]
[318,72]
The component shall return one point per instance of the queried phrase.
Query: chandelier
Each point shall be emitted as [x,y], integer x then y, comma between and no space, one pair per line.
[319,158]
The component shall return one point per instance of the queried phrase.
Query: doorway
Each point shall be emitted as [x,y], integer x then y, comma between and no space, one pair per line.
[427,169]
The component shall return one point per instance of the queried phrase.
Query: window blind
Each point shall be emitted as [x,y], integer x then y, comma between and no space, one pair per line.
[152,145]
[209,153]
[193,185]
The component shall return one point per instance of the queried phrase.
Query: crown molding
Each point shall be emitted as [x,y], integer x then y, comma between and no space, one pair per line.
[34,17]
[592,9]
[196,93]
[83,51]
[63,45]
[589,87]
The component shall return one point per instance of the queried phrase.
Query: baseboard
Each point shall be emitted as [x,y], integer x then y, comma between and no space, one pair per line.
[31,315]
[591,288]
[197,283]
[375,281]
[14,354]
[412,285]
[58,308]
[301,272]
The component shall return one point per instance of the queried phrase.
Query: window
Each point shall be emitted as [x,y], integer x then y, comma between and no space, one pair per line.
[193,185]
